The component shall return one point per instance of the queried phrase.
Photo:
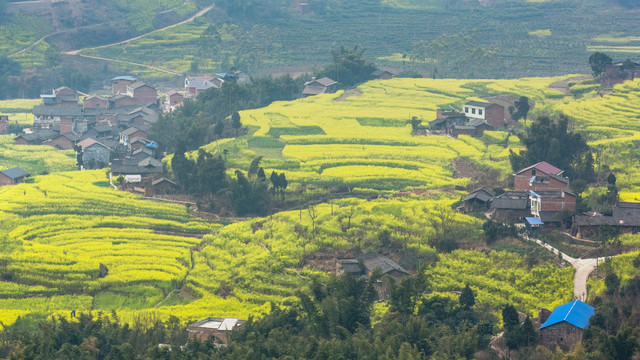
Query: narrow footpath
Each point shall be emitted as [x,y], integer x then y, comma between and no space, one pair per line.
[584,267]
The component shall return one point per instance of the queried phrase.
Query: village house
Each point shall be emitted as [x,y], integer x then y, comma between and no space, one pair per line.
[133,132]
[625,219]
[365,265]
[173,99]
[552,206]
[142,93]
[119,84]
[620,72]
[94,153]
[541,177]
[95,102]
[13,176]
[163,186]
[194,85]
[319,86]
[478,200]
[565,325]
[36,138]
[61,97]
[382,74]
[215,329]
[65,141]
[456,123]
[144,165]
[492,113]
[510,206]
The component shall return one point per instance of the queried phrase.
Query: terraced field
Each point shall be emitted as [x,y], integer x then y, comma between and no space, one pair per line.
[365,142]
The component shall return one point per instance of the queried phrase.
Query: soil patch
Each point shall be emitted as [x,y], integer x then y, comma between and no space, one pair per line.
[348,93]
[563,85]
[465,169]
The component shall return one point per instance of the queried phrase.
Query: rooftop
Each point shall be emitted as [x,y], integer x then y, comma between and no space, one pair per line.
[15,173]
[125,77]
[543,166]
[575,313]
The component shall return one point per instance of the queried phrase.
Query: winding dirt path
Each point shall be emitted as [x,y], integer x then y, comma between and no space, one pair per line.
[584,267]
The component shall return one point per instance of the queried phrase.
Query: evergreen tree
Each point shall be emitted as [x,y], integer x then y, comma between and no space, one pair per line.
[467,299]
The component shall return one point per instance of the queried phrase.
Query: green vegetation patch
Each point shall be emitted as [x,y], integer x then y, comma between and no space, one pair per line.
[381,122]
[276,132]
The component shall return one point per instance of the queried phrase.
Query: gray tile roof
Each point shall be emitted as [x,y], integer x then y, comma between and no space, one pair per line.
[15,173]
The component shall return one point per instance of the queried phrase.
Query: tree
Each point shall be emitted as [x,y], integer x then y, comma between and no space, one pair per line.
[612,282]
[218,129]
[599,62]
[522,108]
[467,299]
[415,125]
[551,141]
[79,156]
[235,122]
[348,67]
[510,317]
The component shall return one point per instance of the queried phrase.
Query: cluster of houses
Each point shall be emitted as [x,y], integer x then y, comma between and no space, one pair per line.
[475,118]
[540,196]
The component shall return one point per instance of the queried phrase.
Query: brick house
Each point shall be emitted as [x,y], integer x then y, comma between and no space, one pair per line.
[552,206]
[119,84]
[565,325]
[13,176]
[319,86]
[457,123]
[489,112]
[214,328]
[64,141]
[122,100]
[132,132]
[173,99]
[541,177]
[194,85]
[620,72]
[142,93]
[61,97]
[95,102]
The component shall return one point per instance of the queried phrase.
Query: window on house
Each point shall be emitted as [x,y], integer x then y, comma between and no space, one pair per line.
[479,111]
[533,172]
[473,111]
[466,109]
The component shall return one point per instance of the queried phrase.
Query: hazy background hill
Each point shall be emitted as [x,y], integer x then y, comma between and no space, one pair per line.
[436,38]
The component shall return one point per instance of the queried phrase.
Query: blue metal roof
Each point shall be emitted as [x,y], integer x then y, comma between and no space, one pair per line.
[533,193]
[534,221]
[575,313]
[125,77]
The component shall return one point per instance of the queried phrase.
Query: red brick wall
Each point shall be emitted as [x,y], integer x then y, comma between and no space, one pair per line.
[95,103]
[568,202]
[125,101]
[175,99]
[5,180]
[521,182]
[494,115]
[62,143]
[120,86]
[145,95]
[66,126]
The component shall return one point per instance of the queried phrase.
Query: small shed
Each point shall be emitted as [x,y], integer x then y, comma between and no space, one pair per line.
[382,74]
[565,325]
[214,328]
[13,176]
[163,186]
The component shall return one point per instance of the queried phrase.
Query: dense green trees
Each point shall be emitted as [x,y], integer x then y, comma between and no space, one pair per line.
[599,62]
[213,114]
[551,141]
[348,67]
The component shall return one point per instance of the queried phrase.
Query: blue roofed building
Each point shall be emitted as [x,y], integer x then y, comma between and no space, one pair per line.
[565,325]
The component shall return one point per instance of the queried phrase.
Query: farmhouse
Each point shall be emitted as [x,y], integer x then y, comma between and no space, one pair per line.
[565,325]
[456,123]
[61,97]
[366,264]
[620,72]
[510,206]
[214,328]
[95,102]
[382,74]
[625,218]
[13,176]
[479,199]
[119,84]
[489,112]
[132,132]
[64,141]
[193,85]
[320,86]
[142,93]
[94,153]
[173,99]
[540,177]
